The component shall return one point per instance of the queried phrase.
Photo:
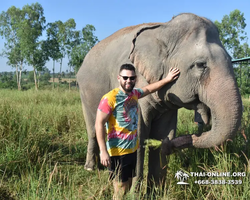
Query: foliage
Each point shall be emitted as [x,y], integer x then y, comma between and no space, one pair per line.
[234,38]
[22,29]
[7,80]
[65,38]
[31,76]
[232,32]
[153,143]
[84,41]
[32,27]
[10,23]
[52,42]
[46,77]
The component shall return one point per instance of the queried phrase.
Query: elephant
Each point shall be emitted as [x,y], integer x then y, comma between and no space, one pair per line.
[206,83]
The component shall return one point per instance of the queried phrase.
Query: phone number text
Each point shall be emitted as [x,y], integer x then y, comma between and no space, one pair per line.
[219,182]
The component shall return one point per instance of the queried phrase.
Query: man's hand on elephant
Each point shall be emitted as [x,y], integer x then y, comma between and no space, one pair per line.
[172,74]
[105,158]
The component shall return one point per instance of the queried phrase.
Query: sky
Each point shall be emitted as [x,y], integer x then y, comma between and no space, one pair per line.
[108,16]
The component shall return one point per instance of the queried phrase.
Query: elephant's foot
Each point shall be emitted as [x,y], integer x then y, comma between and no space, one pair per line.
[89,167]
[92,159]
[155,188]
[90,163]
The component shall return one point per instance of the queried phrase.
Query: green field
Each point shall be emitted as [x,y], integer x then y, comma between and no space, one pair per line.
[43,144]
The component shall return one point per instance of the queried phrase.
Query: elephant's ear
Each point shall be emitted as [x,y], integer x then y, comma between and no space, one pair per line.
[148,53]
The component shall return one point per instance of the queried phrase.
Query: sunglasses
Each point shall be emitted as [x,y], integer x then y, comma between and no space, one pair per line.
[132,78]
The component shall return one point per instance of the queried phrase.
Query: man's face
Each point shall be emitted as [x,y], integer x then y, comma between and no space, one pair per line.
[127,79]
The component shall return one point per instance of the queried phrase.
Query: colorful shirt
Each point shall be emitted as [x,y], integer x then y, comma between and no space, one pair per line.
[122,124]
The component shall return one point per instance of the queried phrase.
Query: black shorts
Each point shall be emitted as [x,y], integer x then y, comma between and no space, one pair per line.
[123,167]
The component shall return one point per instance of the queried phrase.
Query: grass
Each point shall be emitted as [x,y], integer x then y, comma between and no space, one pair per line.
[43,144]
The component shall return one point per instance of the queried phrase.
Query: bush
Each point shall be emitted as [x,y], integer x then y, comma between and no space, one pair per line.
[8,84]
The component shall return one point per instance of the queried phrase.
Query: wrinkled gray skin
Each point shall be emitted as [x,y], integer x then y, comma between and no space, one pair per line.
[206,83]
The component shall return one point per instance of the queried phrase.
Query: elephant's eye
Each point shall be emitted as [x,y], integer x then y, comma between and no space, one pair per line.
[201,65]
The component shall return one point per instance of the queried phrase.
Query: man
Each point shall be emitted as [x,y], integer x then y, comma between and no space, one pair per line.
[118,109]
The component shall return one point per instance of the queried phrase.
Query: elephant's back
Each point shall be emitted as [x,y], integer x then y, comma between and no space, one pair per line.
[101,65]
[112,51]
[129,31]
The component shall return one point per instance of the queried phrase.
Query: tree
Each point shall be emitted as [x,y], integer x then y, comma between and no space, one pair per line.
[242,70]
[39,60]
[53,46]
[66,35]
[234,38]
[232,32]
[60,36]
[31,30]
[84,41]
[10,24]
[22,28]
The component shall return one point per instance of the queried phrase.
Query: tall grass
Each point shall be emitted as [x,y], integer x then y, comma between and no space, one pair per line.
[43,144]
[39,132]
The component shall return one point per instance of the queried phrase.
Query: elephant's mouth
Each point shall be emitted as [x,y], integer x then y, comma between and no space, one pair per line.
[205,112]
[202,108]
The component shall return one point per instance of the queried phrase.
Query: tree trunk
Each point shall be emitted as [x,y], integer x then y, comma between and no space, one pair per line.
[38,81]
[69,75]
[20,77]
[76,83]
[60,71]
[53,74]
[35,79]
[17,81]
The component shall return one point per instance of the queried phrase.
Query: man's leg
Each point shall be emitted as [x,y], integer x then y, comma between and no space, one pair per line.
[123,174]
[121,188]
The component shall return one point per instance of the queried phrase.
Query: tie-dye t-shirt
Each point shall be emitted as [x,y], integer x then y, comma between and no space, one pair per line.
[122,124]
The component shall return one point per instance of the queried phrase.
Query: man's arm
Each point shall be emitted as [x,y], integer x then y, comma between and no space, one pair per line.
[101,119]
[172,75]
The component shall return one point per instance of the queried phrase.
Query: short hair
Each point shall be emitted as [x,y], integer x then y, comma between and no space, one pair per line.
[127,66]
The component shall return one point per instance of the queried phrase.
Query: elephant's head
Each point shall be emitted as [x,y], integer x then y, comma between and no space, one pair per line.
[206,81]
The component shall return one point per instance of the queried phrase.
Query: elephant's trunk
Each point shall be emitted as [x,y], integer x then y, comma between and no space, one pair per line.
[223,98]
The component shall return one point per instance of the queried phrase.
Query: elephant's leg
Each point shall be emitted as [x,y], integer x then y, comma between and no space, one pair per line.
[143,132]
[93,150]
[164,126]
[156,171]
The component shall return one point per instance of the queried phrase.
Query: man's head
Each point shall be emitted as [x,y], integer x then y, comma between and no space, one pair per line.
[127,77]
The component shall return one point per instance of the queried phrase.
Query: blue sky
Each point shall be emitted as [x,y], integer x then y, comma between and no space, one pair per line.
[109,16]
